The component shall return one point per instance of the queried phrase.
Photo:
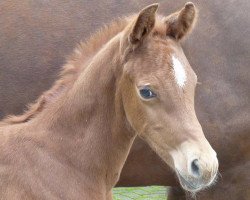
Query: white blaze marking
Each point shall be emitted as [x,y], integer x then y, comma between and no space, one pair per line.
[179,72]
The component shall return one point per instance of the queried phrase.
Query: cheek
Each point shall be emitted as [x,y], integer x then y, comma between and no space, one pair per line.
[135,111]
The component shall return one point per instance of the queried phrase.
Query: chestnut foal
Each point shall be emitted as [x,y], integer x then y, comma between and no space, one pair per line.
[138,83]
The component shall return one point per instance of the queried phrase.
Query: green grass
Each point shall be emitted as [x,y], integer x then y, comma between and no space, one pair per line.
[140,193]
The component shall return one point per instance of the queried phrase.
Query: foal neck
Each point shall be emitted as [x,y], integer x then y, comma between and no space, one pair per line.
[88,122]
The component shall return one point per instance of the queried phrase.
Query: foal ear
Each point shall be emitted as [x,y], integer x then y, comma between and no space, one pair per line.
[143,24]
[181,22]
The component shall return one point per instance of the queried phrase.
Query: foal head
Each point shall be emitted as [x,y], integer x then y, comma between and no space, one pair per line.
[158,87]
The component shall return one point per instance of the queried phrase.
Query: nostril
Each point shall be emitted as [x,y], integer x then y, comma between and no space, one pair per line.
[195,167]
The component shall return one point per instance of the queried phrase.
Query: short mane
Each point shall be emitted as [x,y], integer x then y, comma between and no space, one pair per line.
[70,71]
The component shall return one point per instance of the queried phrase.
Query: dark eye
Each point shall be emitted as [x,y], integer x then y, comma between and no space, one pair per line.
[147,93]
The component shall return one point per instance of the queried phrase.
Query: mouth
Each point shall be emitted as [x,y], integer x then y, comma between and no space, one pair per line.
[189,185]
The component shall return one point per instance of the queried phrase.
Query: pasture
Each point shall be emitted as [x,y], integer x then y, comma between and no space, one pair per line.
[140,193]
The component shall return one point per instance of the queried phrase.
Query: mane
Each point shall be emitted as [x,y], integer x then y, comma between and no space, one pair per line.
[75,64]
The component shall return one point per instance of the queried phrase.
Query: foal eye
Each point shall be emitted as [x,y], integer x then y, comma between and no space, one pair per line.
[147,93]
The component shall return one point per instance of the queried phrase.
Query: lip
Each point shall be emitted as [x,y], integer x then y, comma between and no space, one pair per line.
[187,185]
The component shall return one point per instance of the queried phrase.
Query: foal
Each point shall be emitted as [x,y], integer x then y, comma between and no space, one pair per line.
[138,83]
